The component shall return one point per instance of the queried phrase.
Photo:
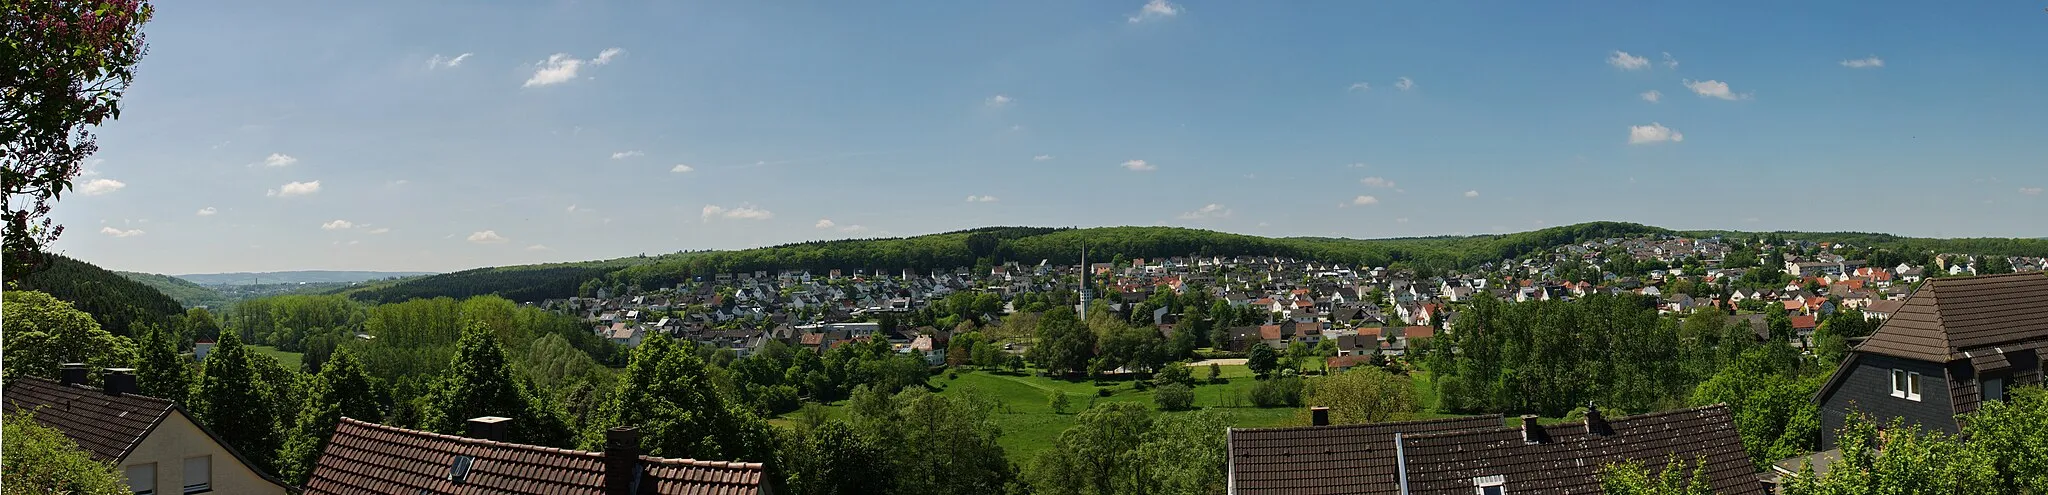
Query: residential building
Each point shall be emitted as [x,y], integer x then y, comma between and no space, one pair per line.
[154,442]
[367,457]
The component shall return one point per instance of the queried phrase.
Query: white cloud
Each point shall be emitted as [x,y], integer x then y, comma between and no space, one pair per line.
[1359,86]
[560,67]
[539,247]
[1653,133]
[1359,165]
[1653,96]
[621,155]
[1669,62]
[207,211]
[1871,62]
[279,160]
[1140,166]
[1404,83]
[2030,191]
[101,186]
[437,61]
[825,223]
[1211,210]
[1714,89]
[294,189]
[120,233]
[486,237]
[1401,220]
[742,212]
[337,225]
[1376,182]
[1622,60]
[682,169]
[1365,200]
[1155,9]
[1472,194]
[380,230]
[981,199]
[853,228]
[998,101]
[1041,158]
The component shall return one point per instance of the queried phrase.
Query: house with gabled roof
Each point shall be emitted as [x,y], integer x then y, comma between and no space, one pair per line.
[365,457]
[154,442]
[1952,344]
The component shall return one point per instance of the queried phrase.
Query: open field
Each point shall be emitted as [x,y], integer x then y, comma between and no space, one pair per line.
[291,360]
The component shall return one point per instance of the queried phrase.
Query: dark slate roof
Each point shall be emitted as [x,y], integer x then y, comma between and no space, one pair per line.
[108,426]
[372,458]
[1948,316]
[1571,460]
[1328,459]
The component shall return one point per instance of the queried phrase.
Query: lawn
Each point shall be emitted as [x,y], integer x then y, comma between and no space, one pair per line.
[290,359]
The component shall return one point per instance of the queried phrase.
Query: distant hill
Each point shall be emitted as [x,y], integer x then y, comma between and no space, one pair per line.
[293,277]
[119,304]
[184,291]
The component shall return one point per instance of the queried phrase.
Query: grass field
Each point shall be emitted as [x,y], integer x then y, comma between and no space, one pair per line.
[290,359]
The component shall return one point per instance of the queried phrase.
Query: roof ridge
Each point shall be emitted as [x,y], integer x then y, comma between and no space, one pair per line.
[468,440]
[1371,425]
[1719,408]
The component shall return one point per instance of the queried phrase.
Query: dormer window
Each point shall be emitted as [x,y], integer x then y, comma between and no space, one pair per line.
[1490,485]
[1905,385]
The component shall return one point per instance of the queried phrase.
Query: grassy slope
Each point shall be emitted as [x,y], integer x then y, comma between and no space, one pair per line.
[291,360]
[184,291]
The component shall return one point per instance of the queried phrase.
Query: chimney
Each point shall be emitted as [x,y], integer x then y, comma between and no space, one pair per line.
[1532,433]
[1597,424]
[621,460]
[71,374]
[121,381]
[489,428]
[1319,416]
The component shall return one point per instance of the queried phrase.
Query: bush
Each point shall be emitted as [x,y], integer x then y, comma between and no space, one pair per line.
[1060,402]
[1174,373]
[1282,391]
[1140,385]
[952,375]
[1174,397]
[1102,391]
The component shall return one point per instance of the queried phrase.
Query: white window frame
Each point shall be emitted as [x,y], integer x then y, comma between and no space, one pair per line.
[148,487]
[200,481]
[1898,380]
[1480,484]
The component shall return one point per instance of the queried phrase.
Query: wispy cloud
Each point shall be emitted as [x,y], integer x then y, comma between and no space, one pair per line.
[1871,62]
[338,225]
[294,189]
[1653,133]
[1669,62]
[621,155]
[1041,158]
[439,62]
[1376,182]
[1155,9]
[682,169]
[539,247]
[981,199]
[742,212]
[207,211]
[1359,165]
[1622,60]
[1472,194]
[560,68]
[998,101]
[279,160]
[98,187]
[1364,201]
[2030,191]
[1139,166]
[1208,211]
[1404,83]
[856,228]
[825,223]
[379,230]
[120,233]
[1653,96]
[1359,86]
[486,237]
[1714,89]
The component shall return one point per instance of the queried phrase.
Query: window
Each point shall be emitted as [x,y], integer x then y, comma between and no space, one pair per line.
[458,471]
[142,478]
[1913,386]
[1490,485]
[1898,383]
[199,474]
[1994,389]
[1905,385]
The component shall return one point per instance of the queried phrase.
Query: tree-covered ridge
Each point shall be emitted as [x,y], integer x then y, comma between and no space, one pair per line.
[119,304]
[184,291]
[2007,246]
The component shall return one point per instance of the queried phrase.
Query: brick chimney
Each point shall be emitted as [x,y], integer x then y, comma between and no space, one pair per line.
[489,428]
[1319,416]
[120,381]
[621,460]
[1532,432]
[71,374]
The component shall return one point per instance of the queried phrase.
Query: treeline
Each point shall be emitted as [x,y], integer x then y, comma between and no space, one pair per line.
[531,283]
[184,291]
[2007,246]
[117,303]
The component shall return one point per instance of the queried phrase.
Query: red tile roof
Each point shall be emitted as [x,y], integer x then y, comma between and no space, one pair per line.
[372,458]
[1328,459]
[1269,332]
[1803,322]
[1418,331]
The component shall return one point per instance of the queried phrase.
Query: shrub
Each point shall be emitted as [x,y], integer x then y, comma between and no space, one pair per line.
[1060,402]
[1174,373]
[1140,385]
[1174,397]
[1281,391]
[952,375]
[1102,391]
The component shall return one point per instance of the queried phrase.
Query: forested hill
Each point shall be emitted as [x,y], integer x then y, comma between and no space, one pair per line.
[115,301]
[181,290]
[983,246]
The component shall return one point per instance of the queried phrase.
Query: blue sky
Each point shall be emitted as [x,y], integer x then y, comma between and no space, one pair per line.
[439,136]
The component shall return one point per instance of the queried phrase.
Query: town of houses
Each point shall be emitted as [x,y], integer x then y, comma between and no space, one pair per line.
[1365,310]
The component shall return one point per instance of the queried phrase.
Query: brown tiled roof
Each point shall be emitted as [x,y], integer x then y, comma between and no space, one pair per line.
[1950,315]
[372,458]
[1571,460]
[107,426]
[1344,459]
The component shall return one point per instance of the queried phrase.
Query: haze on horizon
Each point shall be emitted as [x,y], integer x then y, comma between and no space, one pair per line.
[402,137]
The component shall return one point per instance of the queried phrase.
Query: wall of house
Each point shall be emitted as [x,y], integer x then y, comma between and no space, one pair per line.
[1868,389]
[179,438]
